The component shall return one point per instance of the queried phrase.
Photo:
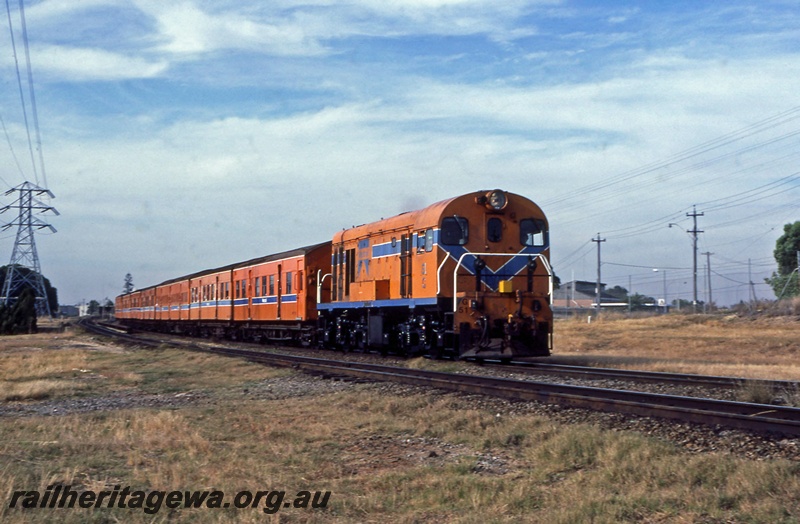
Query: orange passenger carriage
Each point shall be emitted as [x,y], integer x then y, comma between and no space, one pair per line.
[469,277]
[267,298]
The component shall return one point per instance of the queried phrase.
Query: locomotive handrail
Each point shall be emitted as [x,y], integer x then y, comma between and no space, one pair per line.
[461,259]
[321,279]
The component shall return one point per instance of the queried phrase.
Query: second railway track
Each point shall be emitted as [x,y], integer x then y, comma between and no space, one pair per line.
[595,373]
[752,417]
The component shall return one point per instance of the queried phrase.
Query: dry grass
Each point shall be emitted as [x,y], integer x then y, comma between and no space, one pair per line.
[766,348]
[542,472]
[409,458]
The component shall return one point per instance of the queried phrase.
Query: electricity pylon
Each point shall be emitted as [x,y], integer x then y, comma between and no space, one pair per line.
[24,254]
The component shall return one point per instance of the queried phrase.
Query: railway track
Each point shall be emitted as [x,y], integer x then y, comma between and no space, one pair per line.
[752,417]
[592,373]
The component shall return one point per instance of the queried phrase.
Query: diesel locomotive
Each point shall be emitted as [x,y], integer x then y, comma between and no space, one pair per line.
[468,277]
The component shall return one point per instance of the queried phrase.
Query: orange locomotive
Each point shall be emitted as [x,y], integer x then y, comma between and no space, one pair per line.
[467,277]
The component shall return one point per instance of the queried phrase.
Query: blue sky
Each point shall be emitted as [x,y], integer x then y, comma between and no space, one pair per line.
[184,135]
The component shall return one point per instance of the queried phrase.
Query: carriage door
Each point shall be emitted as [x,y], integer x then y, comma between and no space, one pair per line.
[249,283]
[215,297]
[280,284]
[405,265]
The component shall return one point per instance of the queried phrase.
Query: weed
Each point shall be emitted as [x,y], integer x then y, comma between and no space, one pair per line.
[755,391]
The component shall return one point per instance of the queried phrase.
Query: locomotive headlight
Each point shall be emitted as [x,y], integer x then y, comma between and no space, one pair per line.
[497,200]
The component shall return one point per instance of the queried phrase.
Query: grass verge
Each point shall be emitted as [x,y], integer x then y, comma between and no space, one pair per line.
[384,456]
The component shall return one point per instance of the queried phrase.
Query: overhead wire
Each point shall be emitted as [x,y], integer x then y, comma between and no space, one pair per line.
[21,92]
[609,188]
[763,125]
[31,95]
[31,91]
[13,153]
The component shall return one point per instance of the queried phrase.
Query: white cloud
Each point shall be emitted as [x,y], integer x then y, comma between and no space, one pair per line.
[187,29]
[81,64]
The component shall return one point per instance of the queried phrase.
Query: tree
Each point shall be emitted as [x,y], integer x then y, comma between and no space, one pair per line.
[785,280]
[94,307]
[52,293]
[128,287]
[618,292]
[639,302]
[21,317]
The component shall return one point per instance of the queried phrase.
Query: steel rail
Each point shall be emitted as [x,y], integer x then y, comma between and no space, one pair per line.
[753,417]
[687,379]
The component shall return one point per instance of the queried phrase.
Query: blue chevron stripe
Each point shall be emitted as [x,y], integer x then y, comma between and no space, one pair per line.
[491,278]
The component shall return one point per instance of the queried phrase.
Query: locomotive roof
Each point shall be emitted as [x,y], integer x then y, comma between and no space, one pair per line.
[428,216]
[259,260]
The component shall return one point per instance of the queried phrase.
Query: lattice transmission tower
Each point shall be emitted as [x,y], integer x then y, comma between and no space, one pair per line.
[24,270]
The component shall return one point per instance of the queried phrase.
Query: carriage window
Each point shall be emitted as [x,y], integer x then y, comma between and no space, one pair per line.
[455,231]
[272,285]
[494,230]
[429,240]
[532,232]
[288,282]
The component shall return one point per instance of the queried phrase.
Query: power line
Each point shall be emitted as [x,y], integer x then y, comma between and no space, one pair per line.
[730,138]
[19,83]
[34,111]
[13,153]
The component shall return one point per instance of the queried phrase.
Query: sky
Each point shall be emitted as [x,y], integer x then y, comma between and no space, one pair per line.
[183,135]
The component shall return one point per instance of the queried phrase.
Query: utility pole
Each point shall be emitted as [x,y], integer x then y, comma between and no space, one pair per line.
[708,266]
[630,290]
[694,231]
[753,298]
[598,240]
[24,254]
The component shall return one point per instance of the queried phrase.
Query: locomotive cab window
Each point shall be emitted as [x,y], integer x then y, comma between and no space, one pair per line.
[425,241]
[455,231]
[532,232]
[494,229]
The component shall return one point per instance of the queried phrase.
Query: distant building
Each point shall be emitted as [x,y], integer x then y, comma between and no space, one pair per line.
[68,311]
[580,294]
